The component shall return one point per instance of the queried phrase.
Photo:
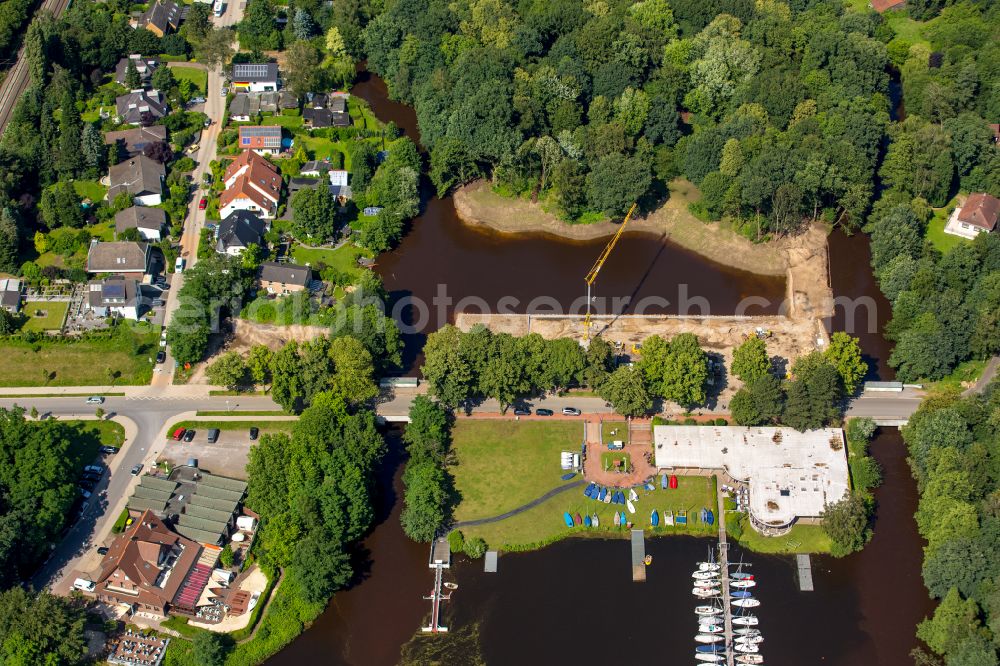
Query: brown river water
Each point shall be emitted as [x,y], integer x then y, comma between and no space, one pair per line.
[574,602]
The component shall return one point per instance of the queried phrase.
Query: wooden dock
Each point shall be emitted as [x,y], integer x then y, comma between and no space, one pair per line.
[805,573]
[439,560]
[724,577]
[638,556]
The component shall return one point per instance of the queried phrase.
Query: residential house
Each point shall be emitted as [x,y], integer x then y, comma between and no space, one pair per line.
[315,168]
[255,77]
[10,295]
[243,107]
[148,567]
[162,17]
[141,107]
[280,279]
[140,176]
[252,184]
[338,184]
[885,5]
[238,231]
[150,222]
[262,139]
[978,215]
[116,295]
[125,257]
[143,65]
[132,142]
[324,110]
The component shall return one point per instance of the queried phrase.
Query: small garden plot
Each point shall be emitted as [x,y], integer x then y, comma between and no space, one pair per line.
[616,461]
[44,315]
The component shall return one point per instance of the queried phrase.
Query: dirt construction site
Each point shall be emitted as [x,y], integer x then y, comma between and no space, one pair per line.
[796,331]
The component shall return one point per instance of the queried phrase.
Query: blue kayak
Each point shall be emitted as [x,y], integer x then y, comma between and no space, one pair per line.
[621,497]
[567,477]
[709,517]
[654,518]
[649,486]
[711,649]
[602,494]
[624,519]
[586,521]
[740,594]
[568,518]
[663,481]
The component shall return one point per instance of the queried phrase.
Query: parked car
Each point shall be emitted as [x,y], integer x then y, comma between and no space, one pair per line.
[571,411]
[522,412]
[94,469]
[179,265]
[102,550]
[192,149]
[88,485]
[84,585]
[225,91]
[189,435]
[110,450]
[95,400]
[254,432]
[159,303]
[84,492]
[136,469]
[213,435]
[544,412]
[178,434]
[203,204]
[197,100]
[161,356]
[83,508]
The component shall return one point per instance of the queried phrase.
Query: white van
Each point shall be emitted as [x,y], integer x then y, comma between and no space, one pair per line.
[179,265]
[219,7]
[84,585]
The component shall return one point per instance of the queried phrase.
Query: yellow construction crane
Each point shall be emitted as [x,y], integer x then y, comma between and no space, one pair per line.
[592,275]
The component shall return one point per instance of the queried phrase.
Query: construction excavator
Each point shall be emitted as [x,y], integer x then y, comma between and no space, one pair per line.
[596,268]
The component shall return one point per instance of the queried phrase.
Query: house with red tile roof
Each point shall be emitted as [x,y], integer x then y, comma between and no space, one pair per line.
[978,215]
[885,5]
[252,184]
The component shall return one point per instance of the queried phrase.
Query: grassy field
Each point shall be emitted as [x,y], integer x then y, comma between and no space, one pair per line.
[83,363]
[802,539]
[935,230]
[265,426]
[609,460]
[198,77]
[544,523]
[92,435]
[967,371]
[612,430]
[344,258]
[501,465]
[90,189]
[54,312]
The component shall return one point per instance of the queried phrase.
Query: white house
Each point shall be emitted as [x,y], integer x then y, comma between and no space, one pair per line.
[255,77]
[252,184]
[118,295]
[978,215]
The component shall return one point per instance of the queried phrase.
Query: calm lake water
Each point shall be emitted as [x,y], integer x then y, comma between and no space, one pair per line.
[574,601]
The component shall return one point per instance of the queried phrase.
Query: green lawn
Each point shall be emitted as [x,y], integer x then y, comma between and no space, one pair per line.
[290,123]
[935,228]
[905,27]
[265,426]
[609,460]
[344,258]
[53,314]
[544,523]
[81,363]
[967,371]
[198,77]
[501,465]
[802,539]
[95,434]
[614,430]
[90,189]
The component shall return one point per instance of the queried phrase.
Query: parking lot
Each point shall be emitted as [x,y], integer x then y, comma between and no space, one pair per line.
[226,457]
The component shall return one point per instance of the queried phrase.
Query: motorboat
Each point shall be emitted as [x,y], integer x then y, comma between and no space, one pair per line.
[746,603]
[706,610]
[742,583]
[708,638]
[705,575]
[749,659]
[630,506]
[710,658]
[746,620]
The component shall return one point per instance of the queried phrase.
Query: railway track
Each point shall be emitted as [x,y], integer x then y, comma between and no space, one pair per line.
[17,79]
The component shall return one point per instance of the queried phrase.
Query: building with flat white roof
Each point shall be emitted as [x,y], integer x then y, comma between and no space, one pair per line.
[790,474]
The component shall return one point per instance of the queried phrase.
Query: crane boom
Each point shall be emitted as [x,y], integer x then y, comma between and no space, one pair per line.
[596,268]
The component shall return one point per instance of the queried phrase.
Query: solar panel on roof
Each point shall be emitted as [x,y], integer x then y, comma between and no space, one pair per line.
[114,291]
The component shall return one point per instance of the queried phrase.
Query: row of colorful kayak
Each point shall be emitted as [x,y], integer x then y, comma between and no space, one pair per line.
[575,520]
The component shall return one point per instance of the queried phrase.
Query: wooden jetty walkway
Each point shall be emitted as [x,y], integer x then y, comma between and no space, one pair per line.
[805,572]
[724,576]
[439,560]
[638,556]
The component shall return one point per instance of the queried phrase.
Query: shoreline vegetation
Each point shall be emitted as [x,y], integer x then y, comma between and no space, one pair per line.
[477,205]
